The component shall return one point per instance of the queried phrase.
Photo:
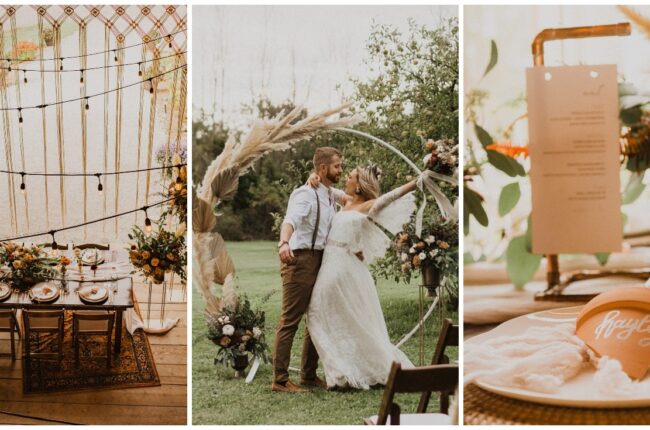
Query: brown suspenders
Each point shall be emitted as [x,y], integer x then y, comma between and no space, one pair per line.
[313,236]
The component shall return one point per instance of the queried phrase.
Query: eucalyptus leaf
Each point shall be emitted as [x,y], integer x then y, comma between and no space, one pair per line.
[483,136]
[509,198]
[473,206]
[521,265]
[634,188]
[631,115]
[508,165]
[494,57]
[602,257]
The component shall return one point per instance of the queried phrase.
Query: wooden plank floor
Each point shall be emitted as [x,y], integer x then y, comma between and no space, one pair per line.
[166,404]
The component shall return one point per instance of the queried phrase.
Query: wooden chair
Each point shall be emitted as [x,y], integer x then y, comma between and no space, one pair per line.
[8,324]
[440,378]
[59,246]
[99,246]
[93,323]
[46,322]
[448,337]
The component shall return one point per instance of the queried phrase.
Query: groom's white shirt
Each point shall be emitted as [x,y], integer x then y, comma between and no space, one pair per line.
[301,214]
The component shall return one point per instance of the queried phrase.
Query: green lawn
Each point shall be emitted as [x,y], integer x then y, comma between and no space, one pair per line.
[218,398]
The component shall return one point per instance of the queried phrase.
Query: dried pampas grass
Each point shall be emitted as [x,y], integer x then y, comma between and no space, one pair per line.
[265,136]
[212,262]
[641,21]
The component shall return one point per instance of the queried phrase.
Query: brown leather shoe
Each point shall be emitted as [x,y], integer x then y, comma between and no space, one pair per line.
[289,387]
[316,382]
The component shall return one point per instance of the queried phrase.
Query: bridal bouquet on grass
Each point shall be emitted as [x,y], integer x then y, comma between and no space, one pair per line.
[158,253]
[26,266]
[238,331]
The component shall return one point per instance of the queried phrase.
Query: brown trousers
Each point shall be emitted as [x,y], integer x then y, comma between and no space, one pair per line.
[298,281]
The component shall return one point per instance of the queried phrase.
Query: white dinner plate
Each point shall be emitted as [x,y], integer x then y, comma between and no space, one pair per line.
[44,292]
[93,293]
[5,291]
[577,392]
[91,256]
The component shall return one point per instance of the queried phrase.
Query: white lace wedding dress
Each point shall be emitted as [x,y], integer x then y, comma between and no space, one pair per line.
[345,319]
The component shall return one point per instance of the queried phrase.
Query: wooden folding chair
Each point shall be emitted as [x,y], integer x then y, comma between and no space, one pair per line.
[93,323]
[59,246]
[448,337]
[43,322]
[439,378]
[99,246]
[8,324]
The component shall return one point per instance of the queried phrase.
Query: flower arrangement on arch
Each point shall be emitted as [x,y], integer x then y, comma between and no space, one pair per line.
[26,266]
[238,331]
[158,253]
[442,156]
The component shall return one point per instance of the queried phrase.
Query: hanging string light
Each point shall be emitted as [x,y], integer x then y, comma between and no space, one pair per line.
[20,117]
[9,66]
[100,187]
[150,80]
[81,78]
[170,40]
[179,183]
[120,172]
[23,189]
[147,221]
[61,64]
[53,232]
[151,86]
[140,69]
[25,76]
[148,42]
[87,105]
[54,244]
[115,57]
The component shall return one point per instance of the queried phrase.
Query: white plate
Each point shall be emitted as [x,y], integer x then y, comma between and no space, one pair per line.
[44,292]
[577,392]
[87,294]
[5,291]
[92,256]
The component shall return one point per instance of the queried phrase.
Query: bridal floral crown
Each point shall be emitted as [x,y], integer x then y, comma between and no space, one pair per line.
[375,170]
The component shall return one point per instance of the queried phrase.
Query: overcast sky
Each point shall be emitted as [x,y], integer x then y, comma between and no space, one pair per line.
[241,52]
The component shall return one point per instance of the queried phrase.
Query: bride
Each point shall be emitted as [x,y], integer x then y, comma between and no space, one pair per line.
[344,317]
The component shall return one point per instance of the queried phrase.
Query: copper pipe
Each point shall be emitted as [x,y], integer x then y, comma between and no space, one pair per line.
[621,29]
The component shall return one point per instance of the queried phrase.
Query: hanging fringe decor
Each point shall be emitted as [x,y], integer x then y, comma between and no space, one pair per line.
[143,56]
[83,47]
[7,142]
[107,38]
[44,124]
[56,27]
[14,45]
[152,122]
[118,127]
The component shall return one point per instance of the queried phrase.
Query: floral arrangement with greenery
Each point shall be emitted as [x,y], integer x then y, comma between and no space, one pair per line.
[26,266]
[238,331]
[165,157]
[155,254]
[177,192]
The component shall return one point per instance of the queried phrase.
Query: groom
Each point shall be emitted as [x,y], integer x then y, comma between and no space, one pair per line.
[302,239]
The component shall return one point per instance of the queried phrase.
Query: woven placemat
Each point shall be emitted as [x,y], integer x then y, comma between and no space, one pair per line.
[483,408]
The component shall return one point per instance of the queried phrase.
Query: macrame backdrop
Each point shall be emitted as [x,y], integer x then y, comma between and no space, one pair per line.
[122,130]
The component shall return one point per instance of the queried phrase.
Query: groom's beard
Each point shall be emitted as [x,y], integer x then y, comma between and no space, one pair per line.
[333,177]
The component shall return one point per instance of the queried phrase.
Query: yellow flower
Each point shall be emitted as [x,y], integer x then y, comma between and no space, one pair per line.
[416,261]
[146,268]
[443,244]
[159,272]
[146,255]
[225,341]
[170,256]
[155,262]
[17,264]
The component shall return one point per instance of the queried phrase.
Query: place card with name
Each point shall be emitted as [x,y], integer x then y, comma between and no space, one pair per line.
[574,154]
[616,324]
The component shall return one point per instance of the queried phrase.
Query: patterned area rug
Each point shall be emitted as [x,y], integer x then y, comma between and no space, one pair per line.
[134,367]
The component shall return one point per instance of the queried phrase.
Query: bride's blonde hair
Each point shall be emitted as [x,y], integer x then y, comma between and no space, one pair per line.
[368,182]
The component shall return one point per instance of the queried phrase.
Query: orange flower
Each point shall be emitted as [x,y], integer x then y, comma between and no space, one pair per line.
[155,262]
[508,149]
[225,341]
[65,261]
[416,261]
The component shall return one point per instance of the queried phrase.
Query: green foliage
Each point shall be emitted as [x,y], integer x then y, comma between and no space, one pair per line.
[509,197]
[521,263]
[494,56]
[474,207]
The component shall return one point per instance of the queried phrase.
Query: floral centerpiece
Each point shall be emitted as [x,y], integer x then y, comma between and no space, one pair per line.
[26,266]
[166,157]
[177,192]
[238,331]
[161,252]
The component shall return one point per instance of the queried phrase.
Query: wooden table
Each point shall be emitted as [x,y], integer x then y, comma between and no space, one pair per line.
[117,302]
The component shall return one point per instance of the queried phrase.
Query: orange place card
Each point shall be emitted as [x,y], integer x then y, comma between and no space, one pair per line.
[616,324]
[574,154]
